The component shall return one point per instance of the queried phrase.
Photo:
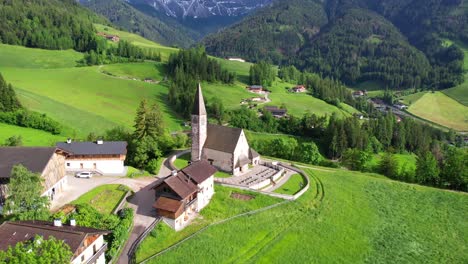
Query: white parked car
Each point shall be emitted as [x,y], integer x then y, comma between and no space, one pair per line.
[84,174]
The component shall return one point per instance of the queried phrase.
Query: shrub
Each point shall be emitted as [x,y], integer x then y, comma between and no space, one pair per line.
[25,118]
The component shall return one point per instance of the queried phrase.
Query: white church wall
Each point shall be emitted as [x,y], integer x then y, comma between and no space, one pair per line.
[242,149]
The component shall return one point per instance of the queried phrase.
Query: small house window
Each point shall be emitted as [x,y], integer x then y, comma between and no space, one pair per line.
[68,164]
[211,161]
[82,258]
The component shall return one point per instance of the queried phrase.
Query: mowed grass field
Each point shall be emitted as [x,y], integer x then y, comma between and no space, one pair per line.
[441,109]
[355,219]
[29,136]
[141,71]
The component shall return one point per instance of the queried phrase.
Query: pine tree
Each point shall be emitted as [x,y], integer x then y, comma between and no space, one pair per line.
[141,120]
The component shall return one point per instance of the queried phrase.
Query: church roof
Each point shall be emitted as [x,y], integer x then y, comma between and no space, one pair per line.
[199,103]
[199,171]
[222,138]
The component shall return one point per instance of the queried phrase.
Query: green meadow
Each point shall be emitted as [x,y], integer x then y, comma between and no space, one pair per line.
[85,98]
[137,40]
[222,206]
[345,217]
[29,136]
[441,109]
[460,92]
[21,57]
[141,71]
[104,198]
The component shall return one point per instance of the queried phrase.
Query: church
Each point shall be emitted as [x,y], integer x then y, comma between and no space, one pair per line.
[226,148]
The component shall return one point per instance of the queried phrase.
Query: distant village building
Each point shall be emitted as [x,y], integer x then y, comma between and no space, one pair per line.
[360,93]
[400,106]
[226,148]
[86,244]
[378,104]
[255,89]
[103,157]
[276,112]
[299,89]
[48,162]
[113,38]
[236,59]
[182,194]
[110,37]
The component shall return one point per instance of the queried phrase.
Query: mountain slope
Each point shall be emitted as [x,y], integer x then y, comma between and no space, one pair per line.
[355,40]
[127,17]
[49,24]
[276,32]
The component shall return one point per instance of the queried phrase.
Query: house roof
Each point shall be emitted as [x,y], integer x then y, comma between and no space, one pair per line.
[92,148]
[199,104]
[222,138]
[34,159]
[181,185]
[14,232]
[167,204]
[199,171]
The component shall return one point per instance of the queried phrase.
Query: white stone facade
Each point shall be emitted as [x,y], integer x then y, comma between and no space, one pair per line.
[105,166]
[205,193]
[90,251]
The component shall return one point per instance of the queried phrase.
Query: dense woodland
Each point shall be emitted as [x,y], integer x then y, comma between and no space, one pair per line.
[106,53]
[355,40]
[353,142]
[186,69]
[47,24]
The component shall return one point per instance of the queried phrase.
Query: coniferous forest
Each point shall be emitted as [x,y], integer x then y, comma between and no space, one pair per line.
[398,43]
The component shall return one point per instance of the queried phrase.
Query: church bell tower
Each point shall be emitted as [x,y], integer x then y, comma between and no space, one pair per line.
[199,123]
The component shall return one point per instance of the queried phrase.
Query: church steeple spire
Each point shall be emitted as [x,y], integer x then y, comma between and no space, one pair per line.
[199,104]
[199,125]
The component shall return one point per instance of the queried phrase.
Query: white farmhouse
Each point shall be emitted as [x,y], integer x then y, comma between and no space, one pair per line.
[86,244]
[48,162]
[226,148]
[103,157]
[182,194]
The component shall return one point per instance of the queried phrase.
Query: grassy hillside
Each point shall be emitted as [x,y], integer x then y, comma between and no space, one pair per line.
[460,92]
[91,101]
[137,40]
[441,109]
[21,57]
[29,136]
[355,219]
